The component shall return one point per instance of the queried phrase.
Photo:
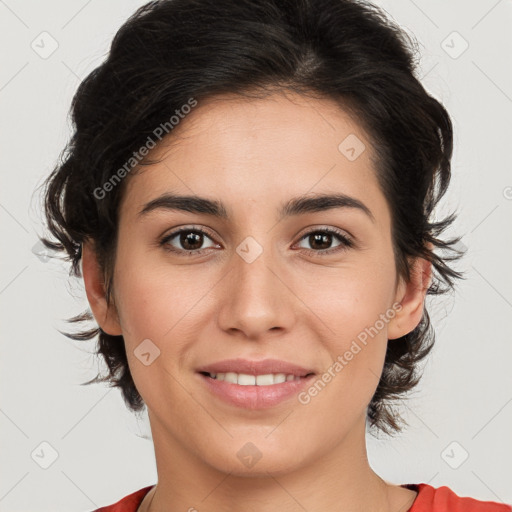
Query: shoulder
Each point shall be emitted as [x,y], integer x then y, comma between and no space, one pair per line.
[443,499]
[129,503]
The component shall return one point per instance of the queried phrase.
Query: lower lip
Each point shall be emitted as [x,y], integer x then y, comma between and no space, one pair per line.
[255,397]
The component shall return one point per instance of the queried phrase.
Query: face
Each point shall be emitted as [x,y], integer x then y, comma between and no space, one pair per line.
[313,287]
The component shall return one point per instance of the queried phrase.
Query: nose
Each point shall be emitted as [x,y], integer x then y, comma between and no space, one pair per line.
[255,296]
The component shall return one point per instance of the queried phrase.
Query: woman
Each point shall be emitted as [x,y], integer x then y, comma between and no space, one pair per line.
[248,197]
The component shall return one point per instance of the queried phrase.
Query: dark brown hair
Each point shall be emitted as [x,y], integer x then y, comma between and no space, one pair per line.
[172,50]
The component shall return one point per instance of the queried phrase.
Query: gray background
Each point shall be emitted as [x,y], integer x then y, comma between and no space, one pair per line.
[463,406]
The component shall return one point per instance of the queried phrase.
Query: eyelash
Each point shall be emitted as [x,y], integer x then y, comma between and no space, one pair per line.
[346,242]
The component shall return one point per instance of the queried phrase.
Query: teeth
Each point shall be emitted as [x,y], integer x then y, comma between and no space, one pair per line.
[254,380]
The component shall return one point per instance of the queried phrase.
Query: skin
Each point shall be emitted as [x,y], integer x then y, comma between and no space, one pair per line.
[253,155]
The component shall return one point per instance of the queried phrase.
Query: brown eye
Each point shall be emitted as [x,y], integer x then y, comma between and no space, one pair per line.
[189,241]
[321,241]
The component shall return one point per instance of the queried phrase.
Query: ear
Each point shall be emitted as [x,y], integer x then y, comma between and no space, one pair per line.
[105,316]
[411,296]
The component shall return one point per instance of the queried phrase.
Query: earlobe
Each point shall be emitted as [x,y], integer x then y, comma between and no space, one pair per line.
[105,315]
[411,296]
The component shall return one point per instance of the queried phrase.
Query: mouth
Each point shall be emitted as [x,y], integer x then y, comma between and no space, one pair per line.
[254,384]
[244,379]
[248,368]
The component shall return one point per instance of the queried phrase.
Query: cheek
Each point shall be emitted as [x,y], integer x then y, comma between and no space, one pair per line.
[357,350]
[161,304]
[349,299]
[151,297]
[355,305]
[152,306]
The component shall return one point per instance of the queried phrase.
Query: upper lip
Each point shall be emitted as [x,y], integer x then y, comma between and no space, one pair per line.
[262,367]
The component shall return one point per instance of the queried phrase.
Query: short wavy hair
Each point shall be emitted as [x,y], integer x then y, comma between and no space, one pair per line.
[345,50]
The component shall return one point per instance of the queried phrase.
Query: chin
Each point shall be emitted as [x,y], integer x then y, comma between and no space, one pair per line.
[256,458]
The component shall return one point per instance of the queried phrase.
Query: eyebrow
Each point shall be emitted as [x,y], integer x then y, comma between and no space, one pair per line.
[295,206]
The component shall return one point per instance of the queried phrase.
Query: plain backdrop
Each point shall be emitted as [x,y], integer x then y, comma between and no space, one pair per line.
[68,447]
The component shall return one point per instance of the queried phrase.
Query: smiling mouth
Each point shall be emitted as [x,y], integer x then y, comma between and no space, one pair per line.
[244,379]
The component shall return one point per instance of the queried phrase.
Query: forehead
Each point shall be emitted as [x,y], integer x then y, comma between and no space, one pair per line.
[254,152]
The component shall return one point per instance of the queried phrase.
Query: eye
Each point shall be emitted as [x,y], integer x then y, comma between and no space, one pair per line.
[190,239]
[320,238]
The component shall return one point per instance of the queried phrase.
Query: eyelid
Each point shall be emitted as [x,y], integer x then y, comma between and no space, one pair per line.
[329,229]
[190,227]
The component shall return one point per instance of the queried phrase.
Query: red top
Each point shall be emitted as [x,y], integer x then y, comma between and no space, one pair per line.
[429,499]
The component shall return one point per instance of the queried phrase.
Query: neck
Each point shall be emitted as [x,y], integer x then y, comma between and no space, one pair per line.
[339,480]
